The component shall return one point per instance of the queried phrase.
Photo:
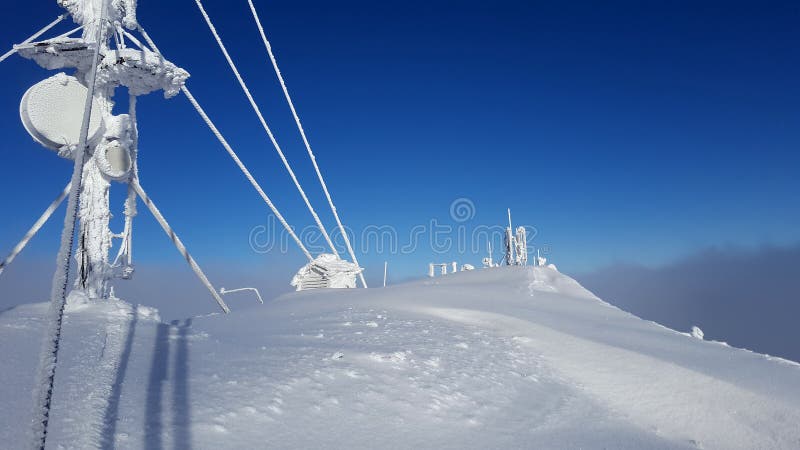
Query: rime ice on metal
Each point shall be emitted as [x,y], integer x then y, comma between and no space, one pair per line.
[326,271]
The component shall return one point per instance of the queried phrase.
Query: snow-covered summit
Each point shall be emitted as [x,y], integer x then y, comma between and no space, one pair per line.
[495,358]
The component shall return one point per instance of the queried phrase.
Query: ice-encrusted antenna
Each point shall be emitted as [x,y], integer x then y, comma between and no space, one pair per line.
[71,115]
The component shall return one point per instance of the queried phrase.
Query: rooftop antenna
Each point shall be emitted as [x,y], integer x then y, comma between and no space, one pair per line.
[385,269]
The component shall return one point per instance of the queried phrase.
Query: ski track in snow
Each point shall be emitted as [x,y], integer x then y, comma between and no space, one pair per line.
[505,358]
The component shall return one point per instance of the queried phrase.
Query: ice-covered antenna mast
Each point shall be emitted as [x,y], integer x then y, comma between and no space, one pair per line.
[104,145]
[72,115]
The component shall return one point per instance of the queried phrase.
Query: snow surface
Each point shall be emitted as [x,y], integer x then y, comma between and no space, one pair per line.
[507,357]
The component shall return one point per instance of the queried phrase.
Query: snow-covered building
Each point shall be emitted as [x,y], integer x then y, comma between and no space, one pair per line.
[326,271]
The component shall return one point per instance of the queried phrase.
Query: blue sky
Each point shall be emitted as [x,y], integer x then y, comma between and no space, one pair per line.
[622,131]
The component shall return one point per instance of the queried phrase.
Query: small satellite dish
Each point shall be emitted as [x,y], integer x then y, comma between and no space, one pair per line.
[114,160]
[52,112]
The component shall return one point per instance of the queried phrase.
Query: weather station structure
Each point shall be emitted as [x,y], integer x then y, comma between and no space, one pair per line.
[326,271]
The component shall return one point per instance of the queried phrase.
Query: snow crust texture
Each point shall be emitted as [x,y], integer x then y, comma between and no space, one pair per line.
[496,358]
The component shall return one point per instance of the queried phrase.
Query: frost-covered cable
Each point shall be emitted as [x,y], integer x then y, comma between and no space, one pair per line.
[134,40]
[35,228]
[246,172]
[74,30]
[34,36]
[43,391]
[266,127]
[234,156]
[179,244]
[305,139]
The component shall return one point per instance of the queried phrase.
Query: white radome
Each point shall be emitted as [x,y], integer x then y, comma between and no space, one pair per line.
[52,111]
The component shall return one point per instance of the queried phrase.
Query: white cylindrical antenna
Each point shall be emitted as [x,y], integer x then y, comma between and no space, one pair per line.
[385,269]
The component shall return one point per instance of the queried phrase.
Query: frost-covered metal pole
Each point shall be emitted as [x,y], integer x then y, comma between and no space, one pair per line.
[266,127]
[35,228]
[94,213]
[43,391]
[224,291]
[179,244]
[34,36]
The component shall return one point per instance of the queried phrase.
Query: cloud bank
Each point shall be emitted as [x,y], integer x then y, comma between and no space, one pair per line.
[173,289]
[749,298]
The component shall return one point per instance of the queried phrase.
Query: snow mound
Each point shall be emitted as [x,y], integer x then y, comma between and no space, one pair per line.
[494,358]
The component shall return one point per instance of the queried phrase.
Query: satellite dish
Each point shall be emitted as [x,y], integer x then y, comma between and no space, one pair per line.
[52,112]
[114,160]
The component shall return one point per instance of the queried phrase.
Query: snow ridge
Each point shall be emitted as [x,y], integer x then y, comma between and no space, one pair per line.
[508,357]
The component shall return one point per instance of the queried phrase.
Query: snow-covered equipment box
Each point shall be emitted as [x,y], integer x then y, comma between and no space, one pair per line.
[326,271]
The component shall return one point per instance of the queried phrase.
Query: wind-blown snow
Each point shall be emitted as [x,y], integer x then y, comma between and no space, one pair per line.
[495,358]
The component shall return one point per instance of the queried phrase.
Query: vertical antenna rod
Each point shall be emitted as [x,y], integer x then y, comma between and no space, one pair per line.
[58,296]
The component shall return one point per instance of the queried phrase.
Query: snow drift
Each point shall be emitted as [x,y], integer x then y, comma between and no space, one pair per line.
[508,357]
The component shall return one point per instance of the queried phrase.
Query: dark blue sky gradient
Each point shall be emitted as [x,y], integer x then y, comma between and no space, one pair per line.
[621,130]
